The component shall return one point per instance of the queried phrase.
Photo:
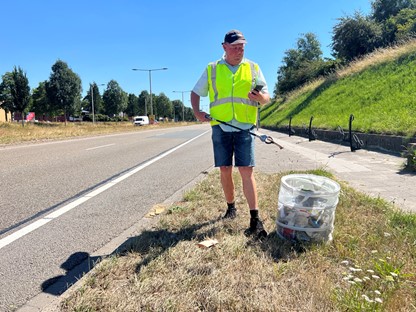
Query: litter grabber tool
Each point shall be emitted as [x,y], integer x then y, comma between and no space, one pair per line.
[263,137]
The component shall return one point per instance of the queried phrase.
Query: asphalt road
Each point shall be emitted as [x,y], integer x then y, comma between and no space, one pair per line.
[62,201]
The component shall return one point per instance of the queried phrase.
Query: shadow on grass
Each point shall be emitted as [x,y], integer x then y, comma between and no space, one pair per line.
[153,244]
[279,249]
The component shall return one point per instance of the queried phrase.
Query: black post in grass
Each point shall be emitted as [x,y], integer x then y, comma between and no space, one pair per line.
[355,142]
[311,133]
[291,131]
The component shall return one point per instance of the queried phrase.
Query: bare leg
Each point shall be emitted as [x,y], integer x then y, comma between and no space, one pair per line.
[249,186]
[256,228]
[227,183]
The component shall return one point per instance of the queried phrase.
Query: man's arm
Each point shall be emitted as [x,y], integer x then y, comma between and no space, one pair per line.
[195,100]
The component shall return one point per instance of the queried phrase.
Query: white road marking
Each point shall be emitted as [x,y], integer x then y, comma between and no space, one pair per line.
[93,148]
[41,222]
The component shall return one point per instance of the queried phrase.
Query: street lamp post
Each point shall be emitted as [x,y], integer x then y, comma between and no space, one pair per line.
[183,103]
[92,101]
[150,82]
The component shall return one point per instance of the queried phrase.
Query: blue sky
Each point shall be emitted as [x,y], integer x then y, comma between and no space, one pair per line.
[104,40]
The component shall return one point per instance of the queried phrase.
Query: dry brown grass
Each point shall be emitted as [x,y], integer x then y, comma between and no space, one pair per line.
[14,133]
[165,270]
[378,57]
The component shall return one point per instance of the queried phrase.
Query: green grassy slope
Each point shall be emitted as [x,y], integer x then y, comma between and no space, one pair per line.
[380,91]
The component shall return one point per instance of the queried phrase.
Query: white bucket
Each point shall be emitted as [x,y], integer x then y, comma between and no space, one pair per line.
[306,208]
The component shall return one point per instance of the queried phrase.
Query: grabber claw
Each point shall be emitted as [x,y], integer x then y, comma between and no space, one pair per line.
[268,140]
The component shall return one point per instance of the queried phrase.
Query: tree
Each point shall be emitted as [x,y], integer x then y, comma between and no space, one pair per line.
[40,102]
[309,48]
[300,65]
[6,100]
[20,92]
[144,102]
[356,36]
[115,99]
[401,26]
[132,105]
[163,106]
[382,10]
[177,107]
[64,89]
[189,114]
[98,100]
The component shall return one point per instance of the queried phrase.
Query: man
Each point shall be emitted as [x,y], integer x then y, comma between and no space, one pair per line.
[230,84]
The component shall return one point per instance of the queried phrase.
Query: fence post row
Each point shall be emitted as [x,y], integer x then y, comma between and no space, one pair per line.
[355,142]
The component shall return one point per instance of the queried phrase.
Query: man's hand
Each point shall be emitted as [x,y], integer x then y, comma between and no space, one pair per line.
[201,116]
[256,96]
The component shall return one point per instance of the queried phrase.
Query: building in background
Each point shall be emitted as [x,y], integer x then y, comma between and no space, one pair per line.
[3,116]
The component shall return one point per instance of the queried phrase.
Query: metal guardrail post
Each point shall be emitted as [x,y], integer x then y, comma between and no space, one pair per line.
[291,131]
[311,133]
[354,138]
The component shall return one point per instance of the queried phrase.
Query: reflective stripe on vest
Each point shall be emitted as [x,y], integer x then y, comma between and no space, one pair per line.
[232,101]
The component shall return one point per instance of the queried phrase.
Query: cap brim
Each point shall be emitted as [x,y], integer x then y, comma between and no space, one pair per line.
[239,41]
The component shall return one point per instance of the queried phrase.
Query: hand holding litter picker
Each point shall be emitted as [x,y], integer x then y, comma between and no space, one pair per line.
[263,137]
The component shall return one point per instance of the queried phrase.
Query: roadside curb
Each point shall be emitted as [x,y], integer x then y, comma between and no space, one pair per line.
[46,302]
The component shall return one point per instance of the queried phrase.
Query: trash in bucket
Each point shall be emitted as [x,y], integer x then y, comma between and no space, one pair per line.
[306,208]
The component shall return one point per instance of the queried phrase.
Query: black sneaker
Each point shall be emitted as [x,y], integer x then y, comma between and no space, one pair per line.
[230,214]
[256,229]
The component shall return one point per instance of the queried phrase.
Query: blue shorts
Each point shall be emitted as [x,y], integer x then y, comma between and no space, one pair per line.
[239,144]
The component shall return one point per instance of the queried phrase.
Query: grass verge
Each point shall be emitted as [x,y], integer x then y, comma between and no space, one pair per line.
[369,266]
[14,133]
[377,89]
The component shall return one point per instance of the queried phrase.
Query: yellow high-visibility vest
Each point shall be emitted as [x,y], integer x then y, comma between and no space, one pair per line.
[228,92]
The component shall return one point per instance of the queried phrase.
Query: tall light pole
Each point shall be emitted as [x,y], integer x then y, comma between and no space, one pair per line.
[92,99]
[183,103]
[150,82]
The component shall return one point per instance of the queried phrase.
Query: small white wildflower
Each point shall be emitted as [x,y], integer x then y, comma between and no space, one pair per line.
[366,278]
[346,278]
[357,280]
[370,271]
[366,298]
[378,300]
[393,274]
[345,262]
[355,269]
[375,276]
[351,282]
[374,251]
[387,234]
[377,292]
[349,276]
